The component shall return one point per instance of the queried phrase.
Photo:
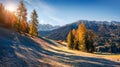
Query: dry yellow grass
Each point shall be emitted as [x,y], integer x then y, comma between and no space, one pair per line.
[53,54]
[113,57]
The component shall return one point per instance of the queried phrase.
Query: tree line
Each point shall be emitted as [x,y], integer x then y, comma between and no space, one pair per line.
[81,39]
[17,20]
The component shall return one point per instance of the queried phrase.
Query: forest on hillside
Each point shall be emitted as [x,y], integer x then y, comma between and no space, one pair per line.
[17,20]
[81,39]
[88,40]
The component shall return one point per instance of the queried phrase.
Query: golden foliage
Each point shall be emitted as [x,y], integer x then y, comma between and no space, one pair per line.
[34,23]
[81,39]
[82,36]
[70,40]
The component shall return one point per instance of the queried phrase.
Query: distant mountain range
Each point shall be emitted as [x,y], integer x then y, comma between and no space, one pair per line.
[46,27]
[97,26]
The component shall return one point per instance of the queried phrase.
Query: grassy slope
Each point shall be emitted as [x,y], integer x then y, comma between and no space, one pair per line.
[22,51]
[76,58]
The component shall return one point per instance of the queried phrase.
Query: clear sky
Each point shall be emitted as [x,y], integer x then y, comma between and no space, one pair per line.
[61,12]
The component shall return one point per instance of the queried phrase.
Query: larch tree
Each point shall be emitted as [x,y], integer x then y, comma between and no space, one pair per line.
[70,40]
[34,24]
[89,41]
[75,39]
[82,36]
[22,18]
[81,39]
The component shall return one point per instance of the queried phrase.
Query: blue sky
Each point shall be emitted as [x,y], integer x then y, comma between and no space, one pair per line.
[61,12]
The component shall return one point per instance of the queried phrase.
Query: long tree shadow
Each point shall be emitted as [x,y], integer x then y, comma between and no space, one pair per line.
[63,58]
[57,49]
[76,61]
[34,49]
[48,41]
[8,57]
[9,47]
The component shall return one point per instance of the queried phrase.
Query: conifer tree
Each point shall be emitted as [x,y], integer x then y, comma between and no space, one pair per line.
[22,18]
[82,37]
[70,40]
[75,34]
[89,41]
[34,24]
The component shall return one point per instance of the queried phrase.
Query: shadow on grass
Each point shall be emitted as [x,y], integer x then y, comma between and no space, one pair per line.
[59,50]
[75,61]
[11,51]
[78,61]
[48,41]
[106,53]
[8,57]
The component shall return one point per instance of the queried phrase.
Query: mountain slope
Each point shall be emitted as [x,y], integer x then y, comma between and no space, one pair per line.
[60,33]
[98,27]
[18,50]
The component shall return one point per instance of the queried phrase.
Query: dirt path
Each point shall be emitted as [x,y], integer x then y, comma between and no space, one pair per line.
[58,55]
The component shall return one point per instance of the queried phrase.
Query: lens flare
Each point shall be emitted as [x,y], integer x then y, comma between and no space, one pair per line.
[10,8]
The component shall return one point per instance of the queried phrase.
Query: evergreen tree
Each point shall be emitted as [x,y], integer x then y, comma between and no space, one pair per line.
[22,18]
[75,39]
[82,37]
[70,40]
[34,24]
[89,41]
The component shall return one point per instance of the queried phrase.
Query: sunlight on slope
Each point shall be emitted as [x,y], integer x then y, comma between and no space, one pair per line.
[62,54]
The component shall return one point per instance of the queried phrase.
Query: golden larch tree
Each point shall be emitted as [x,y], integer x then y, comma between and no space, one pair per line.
[82,36]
